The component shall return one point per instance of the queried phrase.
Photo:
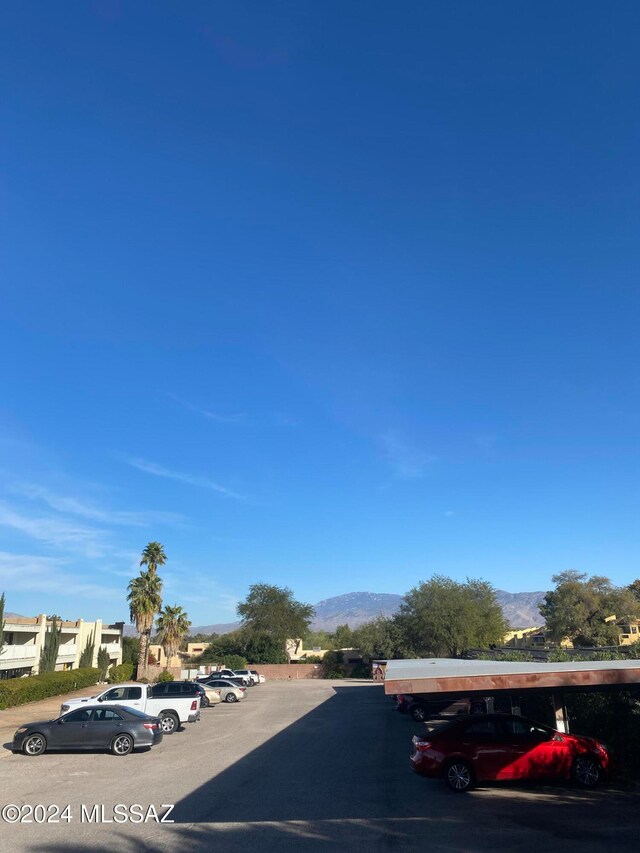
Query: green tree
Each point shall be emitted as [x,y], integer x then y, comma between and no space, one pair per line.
[319,639]
[582,608]
[273,612]
[173,626]
[233,643]
[86,658]
[380,639]
[261,648]
[634,589]
[343,637]
[235,662]
[103,662]
[130,649]
[444,618]
[201,638]
[145,600]
[49,653]
[153,556]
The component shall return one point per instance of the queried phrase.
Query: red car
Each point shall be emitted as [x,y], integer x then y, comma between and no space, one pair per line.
[503,746]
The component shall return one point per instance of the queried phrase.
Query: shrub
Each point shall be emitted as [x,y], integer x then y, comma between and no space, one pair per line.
[361,670]
[19,691]
[235,662]
[165,675]
[333,665]
[119,674]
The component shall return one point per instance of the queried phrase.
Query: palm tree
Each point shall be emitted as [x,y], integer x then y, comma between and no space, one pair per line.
[173,626]
[145,600]
[153,556]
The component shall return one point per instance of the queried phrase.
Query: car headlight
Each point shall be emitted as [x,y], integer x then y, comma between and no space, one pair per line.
[21,730]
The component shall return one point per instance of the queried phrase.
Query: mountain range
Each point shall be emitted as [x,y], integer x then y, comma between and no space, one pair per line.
[521,610]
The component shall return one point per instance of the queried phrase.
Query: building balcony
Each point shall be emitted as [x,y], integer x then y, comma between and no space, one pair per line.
[17,655]
[67,652]
[112,648]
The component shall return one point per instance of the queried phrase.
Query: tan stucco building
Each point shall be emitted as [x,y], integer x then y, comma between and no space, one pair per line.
[24,639]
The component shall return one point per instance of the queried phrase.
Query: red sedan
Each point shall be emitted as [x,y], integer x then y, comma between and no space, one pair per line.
[502,747]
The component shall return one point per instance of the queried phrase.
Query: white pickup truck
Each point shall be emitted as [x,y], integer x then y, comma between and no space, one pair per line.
[172,708]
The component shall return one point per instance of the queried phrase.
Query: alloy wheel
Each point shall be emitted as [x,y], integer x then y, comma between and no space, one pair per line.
[459,777]
[168,724]
[122,745]
[587,772]
[34,745]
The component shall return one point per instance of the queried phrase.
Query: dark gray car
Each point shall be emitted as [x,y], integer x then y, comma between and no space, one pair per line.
[93,727]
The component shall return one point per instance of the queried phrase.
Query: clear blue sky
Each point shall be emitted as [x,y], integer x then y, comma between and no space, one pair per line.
[332,295]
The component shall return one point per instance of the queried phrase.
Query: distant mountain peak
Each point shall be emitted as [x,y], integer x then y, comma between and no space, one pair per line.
[521,610]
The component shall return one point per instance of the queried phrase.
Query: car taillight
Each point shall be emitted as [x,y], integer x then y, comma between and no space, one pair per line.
[194,705]
[422,745]
[243,689]
[150,726]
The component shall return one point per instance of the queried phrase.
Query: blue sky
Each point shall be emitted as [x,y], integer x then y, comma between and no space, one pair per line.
[327,295]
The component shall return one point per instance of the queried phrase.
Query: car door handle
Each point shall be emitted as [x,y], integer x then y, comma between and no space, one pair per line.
[84,725]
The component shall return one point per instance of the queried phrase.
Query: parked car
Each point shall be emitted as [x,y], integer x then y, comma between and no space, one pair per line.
[252,675]
[228,691]
[116,728]
[244,680]
[488,747]
[208,696]
[427,709]
[261,678]
[173,707]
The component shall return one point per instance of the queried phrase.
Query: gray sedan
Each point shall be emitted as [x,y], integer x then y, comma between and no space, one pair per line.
[117,729]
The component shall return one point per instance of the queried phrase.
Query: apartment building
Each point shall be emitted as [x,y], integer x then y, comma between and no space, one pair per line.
[24,639]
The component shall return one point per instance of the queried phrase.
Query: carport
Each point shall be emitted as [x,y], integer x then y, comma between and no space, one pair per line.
[439,678]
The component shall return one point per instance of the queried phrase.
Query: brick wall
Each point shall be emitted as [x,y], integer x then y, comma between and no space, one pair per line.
[285,671]
[153,672]
[271,671]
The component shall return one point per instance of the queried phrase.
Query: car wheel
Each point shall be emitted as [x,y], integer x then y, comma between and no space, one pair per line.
[586,771]
[34,745]
[122,745]
[169,723]
[231,697]
[418,713]
[458,776]
[205,702]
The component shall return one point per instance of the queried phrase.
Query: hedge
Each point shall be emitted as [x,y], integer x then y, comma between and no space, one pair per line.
[120,673]
[19,691]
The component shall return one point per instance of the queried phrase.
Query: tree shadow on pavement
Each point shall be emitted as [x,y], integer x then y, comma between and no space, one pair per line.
[339,778]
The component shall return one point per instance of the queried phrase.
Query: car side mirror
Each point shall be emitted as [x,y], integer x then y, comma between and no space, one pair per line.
[60,721]
[100,699]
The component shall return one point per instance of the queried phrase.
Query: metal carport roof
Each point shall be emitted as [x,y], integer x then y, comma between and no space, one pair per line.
[450,675]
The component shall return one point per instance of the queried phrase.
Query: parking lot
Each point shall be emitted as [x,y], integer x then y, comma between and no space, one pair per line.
[304,765]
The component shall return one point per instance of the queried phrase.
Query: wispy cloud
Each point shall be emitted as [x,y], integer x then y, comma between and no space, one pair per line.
[190,479]
[408,462]
[59,532]
[31,573]
[207,413]
[74,506]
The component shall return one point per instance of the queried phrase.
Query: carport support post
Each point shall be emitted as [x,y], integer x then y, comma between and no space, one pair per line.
[562,720]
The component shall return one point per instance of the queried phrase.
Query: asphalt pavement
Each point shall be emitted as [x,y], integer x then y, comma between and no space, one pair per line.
[298,766]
